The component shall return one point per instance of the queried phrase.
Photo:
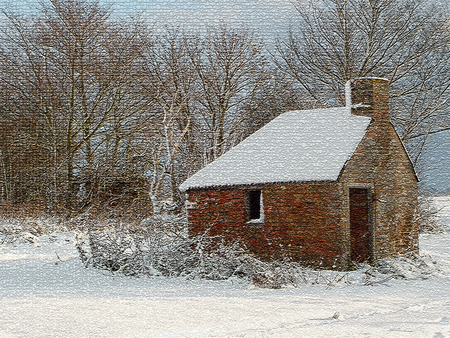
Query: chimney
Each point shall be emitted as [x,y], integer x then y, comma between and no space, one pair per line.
[369,96]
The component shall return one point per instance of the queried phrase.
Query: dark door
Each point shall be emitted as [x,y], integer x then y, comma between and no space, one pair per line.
[359,225]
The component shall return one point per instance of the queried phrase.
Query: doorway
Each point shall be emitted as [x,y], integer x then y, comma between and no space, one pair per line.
[359,225]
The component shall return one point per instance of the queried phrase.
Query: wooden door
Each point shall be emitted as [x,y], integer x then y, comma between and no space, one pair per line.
[359,225]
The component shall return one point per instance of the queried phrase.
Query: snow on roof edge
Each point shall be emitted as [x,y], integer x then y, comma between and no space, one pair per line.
[200,187]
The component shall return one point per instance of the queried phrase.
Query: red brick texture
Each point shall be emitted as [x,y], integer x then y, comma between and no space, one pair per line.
[309,222]
[302,221]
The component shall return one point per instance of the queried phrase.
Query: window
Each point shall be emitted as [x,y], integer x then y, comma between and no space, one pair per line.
[254,206]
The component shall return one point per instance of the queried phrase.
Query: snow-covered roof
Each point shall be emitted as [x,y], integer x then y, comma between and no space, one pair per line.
[302,145]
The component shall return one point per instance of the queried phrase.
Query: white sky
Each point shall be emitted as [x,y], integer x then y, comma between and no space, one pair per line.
[268,18]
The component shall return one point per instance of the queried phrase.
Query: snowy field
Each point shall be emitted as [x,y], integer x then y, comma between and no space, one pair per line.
[45,291]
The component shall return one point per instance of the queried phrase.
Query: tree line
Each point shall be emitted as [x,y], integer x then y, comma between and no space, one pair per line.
[102,112]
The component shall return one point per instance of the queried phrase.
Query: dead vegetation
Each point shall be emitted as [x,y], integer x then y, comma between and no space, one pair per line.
[427,214]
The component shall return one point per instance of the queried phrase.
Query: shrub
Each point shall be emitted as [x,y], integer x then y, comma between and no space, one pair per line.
[408,266]
[160,246]
[427,214]
[14,229]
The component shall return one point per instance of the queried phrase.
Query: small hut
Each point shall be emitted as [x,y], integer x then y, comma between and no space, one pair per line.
[323,187]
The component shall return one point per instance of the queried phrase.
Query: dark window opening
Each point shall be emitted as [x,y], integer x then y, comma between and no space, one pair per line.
[254,205]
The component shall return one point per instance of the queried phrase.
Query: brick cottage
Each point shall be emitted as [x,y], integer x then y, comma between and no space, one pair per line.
[323,187]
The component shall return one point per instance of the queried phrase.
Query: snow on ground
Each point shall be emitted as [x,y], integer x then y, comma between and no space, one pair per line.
[45,291]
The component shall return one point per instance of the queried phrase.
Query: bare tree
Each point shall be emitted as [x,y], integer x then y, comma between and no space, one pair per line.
[172,80]
[30,104]
[404,41]
[98,60]
[232,70]
[280,94]
[207,90]
[74,70]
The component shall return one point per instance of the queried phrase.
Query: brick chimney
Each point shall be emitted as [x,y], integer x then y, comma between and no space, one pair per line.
[369,96]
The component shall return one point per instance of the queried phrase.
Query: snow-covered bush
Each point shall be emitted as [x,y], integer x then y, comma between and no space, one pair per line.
[427,214]
[28,228]
[408,266]
[160,246]
[274,275]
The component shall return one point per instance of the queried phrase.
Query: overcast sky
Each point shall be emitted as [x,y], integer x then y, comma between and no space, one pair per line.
[267,18]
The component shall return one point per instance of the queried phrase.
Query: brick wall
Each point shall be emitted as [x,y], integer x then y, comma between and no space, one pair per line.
[308,221]
[381,163]
[302,221]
